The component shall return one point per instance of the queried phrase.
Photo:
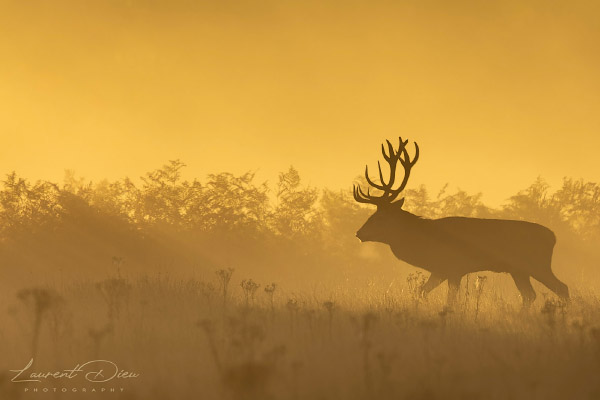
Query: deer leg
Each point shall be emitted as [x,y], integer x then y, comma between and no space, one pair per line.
[553,283]
[524,285]
[453,286]
[433,282]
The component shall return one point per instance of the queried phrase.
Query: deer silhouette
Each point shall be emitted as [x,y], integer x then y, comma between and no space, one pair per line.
[452,247]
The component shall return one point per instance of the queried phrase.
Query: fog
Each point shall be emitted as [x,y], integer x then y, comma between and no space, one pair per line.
[176,197]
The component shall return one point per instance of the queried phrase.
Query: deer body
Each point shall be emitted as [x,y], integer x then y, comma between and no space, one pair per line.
[454,246]
[464,245]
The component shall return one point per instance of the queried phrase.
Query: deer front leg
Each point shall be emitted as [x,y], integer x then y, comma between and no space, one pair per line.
[434,281]
[523,283]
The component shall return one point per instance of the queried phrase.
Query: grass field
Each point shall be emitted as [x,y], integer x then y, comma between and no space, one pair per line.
[226,337]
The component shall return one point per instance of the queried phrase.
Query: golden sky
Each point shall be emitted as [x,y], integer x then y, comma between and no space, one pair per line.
[495,92]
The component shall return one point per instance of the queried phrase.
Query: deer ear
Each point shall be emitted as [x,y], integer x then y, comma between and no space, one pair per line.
[399,203]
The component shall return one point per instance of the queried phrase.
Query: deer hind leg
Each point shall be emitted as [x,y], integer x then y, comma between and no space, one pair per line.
[453,286]
[524,285]
[553,283]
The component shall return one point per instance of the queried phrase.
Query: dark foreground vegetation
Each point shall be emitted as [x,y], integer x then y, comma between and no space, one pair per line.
[233,338]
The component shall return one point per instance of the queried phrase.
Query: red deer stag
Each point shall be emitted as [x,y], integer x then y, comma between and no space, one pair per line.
[454,246]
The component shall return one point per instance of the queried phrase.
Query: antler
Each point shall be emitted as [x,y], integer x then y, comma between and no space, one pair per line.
[392,158]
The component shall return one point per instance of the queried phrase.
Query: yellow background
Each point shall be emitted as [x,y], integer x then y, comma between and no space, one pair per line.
[496,93]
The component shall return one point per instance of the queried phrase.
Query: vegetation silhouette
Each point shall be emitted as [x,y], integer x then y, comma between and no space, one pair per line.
[286,232]
[452,247]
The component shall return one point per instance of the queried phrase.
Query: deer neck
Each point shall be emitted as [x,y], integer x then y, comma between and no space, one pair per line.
[410,227]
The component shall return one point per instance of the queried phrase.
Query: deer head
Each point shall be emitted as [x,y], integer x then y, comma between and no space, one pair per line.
[385,220]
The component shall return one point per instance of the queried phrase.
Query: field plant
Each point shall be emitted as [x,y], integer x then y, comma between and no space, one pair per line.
[39,302]
[224,276]
[304,345]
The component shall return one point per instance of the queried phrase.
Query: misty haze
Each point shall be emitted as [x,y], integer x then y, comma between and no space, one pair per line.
[185,211]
